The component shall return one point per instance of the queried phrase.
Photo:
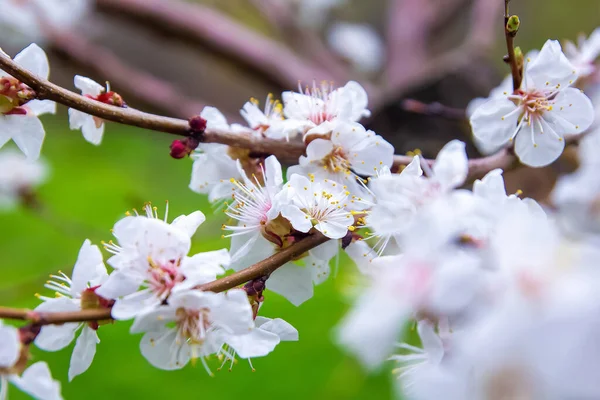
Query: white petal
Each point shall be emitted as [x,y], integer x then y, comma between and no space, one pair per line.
[491,186]
[281,328]
[134,304]
[91,132]
[214,118]
[550,69]
[299,220]
[89,268]
[163,351]
[451,165]
[119,283]
[189,223]
[11,345]
[538,149]
[572,112]
[34,59]
[41,107]
[233,312]
[257,343]
[359,43]
[56,337]
[83,353]
[327,250]
[273,172]
[358,98]
[334,229]
[495,121]
[37,381]
[154,320]
[88,86]
[431,342]
[27,131]
[292,282]
[318,149]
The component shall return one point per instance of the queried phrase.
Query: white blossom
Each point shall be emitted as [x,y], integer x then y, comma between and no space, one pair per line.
[75,294]
[539,115]
[20,122]
[359,43]
[584,54]
[18,177]
[91,127]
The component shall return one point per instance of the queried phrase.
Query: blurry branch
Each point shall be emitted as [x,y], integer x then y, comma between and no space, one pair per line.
[434,109]
[103,63]
[479,38]
[281,15]
[260,269]
[221,33]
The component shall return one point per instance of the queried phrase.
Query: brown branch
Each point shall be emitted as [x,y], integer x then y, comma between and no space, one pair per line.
[510,46]
[262,268]
[287,152]
[224,35]
[434,109]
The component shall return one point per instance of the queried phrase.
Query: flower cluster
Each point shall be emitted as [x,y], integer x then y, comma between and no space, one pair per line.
[503,290]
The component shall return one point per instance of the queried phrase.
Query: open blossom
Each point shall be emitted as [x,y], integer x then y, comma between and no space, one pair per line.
[194,325]
[584,54]
[36,380]
[539,114]
[398,197]
[151,262]
[75,294]
[213,165]
[317,205]
[269,121]
[18,177]
[18,110]
[349,152]
[316,110]
[92,127]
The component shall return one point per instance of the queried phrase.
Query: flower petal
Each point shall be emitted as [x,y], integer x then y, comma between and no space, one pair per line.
[83,353]
[292,282]
[536,148]
[34,59]
[495,121]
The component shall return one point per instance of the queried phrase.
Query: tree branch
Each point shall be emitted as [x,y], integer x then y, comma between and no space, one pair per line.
[510,46]
[434,109]
[262,268]
[221,33]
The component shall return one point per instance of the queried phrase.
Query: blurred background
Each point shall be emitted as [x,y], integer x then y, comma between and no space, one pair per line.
[173,57]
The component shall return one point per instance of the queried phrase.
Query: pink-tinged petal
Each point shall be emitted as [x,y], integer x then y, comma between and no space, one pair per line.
[318,149]
[26,131]
[451,165]
[257,343]
[572,112]
[550,69]
[84,352]
[299,220]
[37,381]
[88,86]
[189,223]
[34,59]
[11,345]
[292,282]
[538,149]
[162,350]
[495,121]
[89,270]
[281,328]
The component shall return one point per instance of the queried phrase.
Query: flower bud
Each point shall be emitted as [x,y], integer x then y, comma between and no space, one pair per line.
[197,124]
[111,98]
[179,149]
[512,25]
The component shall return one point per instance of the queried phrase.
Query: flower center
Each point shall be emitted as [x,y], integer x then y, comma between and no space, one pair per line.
[534,104]
[336,161]
[192,325]
[164,277]
[14,94]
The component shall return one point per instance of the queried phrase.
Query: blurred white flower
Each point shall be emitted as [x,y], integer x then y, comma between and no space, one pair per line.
[358,43]
[18,177]
[584,54]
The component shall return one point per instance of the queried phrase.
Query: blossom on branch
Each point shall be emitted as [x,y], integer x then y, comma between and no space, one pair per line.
[19,178]
[19,110]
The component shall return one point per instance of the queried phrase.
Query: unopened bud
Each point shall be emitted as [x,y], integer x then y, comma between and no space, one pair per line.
[197,124]
[519,57]
[512,25]
[179,149]
[112,98]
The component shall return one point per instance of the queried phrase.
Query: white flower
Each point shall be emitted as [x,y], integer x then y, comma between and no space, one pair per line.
[213,166]
[151,262]
[318,109]
[91,127]
[349,153]
[35,380]
[268,121]
[77,293]
[359,43]
[317,205]
[23,21]
[18,177]
[398,197]
[19,121]
[584,54]
[193,325]
[538,115]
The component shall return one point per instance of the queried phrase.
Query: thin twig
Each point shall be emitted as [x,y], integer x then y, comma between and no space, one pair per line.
[262,268]
[510,46]
[434,109]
